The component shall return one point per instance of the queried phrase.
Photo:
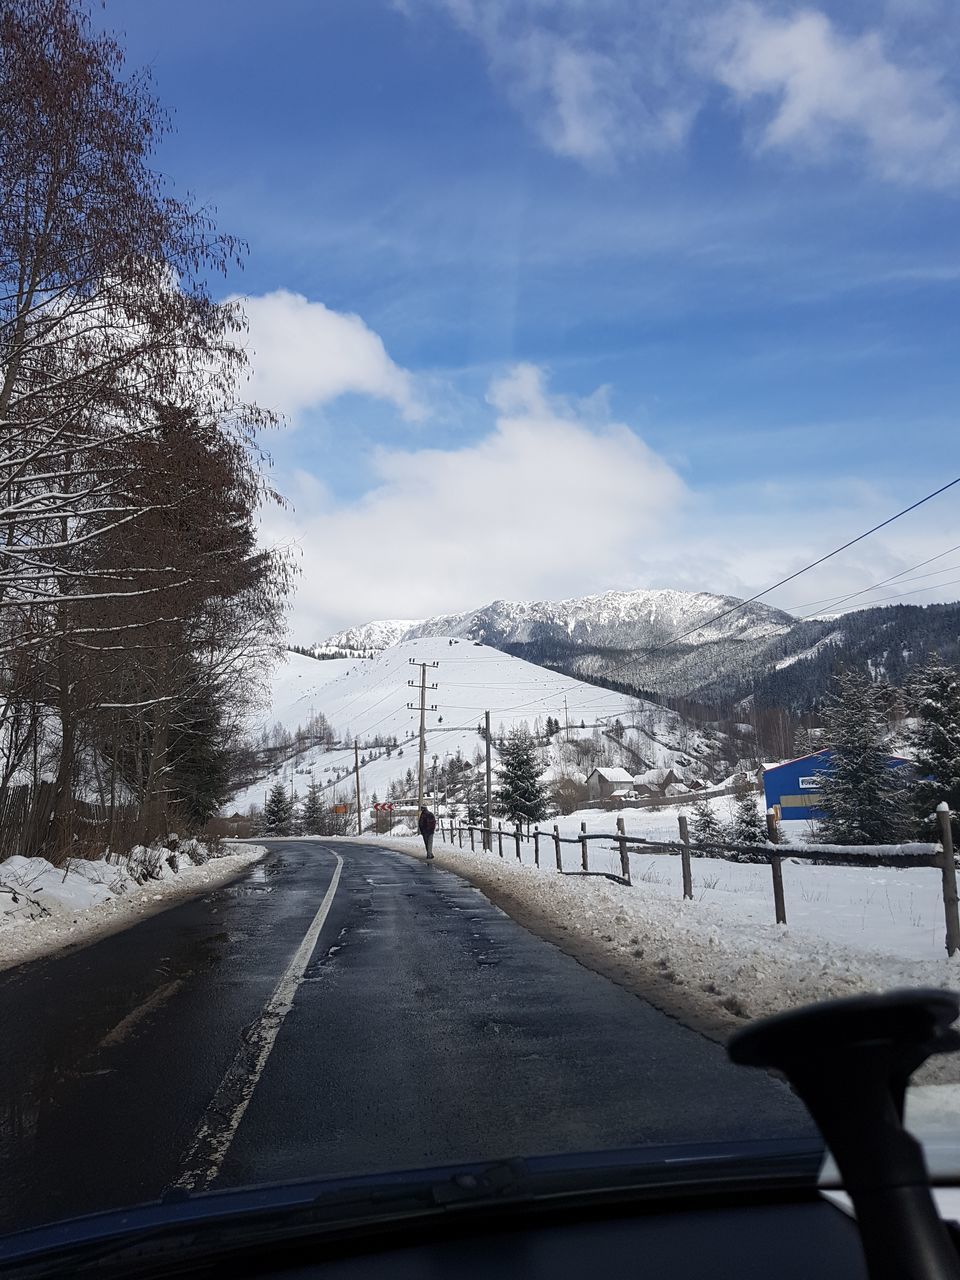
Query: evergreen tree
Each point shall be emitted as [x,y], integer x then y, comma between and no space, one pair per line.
[278,812]
[748,826]
[312,817]
[935,695]
[706,828]
[806,742]
[520,796]
[864,800]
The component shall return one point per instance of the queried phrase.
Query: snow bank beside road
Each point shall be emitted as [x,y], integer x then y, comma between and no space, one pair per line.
[44,908]
[726,960]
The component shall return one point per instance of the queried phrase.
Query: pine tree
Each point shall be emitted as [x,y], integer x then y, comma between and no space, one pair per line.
[706,828]
[520,796]
[864,800]
[748,826]
[312,816]
[805,742]
[278,812]
[935,697]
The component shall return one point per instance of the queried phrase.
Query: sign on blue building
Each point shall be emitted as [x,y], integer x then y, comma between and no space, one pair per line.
[794,785]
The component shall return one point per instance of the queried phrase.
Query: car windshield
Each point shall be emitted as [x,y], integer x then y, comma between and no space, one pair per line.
[478,575]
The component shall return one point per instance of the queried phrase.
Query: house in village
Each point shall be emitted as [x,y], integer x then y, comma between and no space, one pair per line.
[657,782]
[602,783]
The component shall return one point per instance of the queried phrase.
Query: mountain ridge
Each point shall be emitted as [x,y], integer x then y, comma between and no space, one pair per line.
[627,639]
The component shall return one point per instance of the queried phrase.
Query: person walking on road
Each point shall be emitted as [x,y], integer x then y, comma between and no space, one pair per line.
[426,826]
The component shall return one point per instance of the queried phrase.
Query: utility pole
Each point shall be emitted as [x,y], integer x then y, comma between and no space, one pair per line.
[487,835]
[422,707]
[566,718]
[356,771]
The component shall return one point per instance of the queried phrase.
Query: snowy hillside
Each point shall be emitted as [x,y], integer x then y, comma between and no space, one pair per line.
[367,699]
[294,689]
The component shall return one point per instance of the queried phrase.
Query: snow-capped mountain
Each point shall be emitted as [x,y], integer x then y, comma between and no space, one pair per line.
[630,639]
[625,635]
[371,636]
[613,620]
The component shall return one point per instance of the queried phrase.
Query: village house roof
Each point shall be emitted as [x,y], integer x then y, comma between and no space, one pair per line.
[613,775]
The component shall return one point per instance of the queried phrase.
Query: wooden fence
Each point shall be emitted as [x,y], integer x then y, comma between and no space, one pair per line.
[939,856]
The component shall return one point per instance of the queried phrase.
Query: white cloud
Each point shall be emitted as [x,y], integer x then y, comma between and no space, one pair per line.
[820,91]
[553,503]
[591,81]
[303,354]
[605,81]
[544,505]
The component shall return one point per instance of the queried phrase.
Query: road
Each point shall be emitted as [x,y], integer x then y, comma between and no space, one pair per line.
[341,1008]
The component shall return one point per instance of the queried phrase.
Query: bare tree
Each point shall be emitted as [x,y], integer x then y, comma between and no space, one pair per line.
[130,587]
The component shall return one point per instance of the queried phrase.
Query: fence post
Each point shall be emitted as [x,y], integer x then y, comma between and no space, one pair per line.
[500,838]
[556,841]
[473,843]
[460,833]
[776,867]
[685,856]
[624,856]
[517,835]
[536,846]
[584,861]
[949,872]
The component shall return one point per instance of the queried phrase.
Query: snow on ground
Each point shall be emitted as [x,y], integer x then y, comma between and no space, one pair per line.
[370,697]
[850,929]
[44,908]
[896,912]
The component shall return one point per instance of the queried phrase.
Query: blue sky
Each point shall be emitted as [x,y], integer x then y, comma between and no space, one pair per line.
[560,297]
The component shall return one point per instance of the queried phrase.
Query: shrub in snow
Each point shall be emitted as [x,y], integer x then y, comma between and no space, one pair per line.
[194,850]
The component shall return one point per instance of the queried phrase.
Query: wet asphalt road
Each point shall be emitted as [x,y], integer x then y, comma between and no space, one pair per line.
[428,1028]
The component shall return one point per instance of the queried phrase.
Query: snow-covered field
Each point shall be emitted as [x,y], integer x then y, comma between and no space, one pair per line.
[43,908]
[369,697]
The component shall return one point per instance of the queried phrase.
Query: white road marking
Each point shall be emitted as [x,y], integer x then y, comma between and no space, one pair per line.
[222,1117]
[126,1025]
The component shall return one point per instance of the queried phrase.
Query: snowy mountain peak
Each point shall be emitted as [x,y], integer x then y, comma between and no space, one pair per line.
[612,620]
[372,635]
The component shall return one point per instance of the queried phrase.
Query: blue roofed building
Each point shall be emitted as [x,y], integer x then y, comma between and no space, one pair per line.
[793,786]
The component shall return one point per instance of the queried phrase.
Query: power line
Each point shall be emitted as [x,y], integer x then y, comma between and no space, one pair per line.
[900,595]
[839,599]
[790,577]
[931,586]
